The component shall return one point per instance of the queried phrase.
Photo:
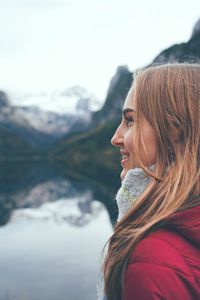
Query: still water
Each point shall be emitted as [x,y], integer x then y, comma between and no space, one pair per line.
[52,232]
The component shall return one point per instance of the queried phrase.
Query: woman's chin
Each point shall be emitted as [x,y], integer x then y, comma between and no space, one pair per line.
[123,174]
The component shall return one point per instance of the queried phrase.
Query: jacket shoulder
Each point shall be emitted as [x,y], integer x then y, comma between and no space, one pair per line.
[162,247]
[157,269]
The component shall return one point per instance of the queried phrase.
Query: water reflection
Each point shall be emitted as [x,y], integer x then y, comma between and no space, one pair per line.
[53,230]
[31,185]
[75,211]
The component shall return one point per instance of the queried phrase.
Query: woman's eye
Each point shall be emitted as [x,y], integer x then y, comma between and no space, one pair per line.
[129,120]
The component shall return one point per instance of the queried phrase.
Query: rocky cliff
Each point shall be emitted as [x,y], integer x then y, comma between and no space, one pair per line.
[120,83]
[118,89]
[188,51]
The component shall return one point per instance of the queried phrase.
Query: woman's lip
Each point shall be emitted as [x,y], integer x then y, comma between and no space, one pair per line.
[124,160]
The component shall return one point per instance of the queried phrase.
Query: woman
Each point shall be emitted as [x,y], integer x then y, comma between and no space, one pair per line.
[154,252]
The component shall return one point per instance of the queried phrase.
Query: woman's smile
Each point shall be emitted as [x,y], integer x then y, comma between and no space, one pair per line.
[125,157]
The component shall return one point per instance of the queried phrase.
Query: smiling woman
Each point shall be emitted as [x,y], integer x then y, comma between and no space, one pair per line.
[154,252]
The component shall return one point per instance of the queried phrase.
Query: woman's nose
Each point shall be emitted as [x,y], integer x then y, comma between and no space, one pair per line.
[117,139]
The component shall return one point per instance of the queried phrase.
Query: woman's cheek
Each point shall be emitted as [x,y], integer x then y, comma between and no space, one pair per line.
[128,142]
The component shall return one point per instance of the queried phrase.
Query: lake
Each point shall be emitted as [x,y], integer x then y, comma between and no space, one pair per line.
[53,229]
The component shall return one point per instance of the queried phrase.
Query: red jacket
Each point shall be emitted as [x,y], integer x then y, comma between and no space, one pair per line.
[165,265]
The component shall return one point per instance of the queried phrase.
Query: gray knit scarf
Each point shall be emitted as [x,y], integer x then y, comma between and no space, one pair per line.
[133,185]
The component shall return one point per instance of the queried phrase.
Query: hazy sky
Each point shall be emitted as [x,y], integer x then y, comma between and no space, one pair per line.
[54,44]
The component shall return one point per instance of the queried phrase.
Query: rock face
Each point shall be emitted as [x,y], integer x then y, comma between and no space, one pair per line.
[196,29]
[35,127]
[4,101]
[122,80]
[116,95]
[52,124]
[184,52]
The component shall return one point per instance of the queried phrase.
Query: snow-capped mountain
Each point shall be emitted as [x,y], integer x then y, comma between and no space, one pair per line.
[61,102]
[51,116]
[52,123]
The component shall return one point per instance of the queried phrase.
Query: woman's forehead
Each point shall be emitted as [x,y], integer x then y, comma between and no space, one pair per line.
[130,101]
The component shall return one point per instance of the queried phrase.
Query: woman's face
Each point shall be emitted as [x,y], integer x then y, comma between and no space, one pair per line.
[124,138]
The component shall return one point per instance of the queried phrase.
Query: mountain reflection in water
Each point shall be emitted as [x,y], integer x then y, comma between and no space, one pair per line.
[75,211]
[53,229]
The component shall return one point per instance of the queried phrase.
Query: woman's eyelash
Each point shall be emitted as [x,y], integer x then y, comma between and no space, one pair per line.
[129,119]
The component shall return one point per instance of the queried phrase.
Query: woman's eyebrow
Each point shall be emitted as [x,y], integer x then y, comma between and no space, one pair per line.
[127,110]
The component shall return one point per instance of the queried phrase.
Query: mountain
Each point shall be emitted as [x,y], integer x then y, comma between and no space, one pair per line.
[14,122]
[122,80]
[58,101]
[39,129]
[52,124]
[117,91]
[14,147]
[91,151]
[13,144]
[4,101]
[189,51]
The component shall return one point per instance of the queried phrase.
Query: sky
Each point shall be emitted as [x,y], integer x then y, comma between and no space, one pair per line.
[48,45]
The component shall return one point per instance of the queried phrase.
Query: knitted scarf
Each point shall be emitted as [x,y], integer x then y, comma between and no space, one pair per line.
[133,185]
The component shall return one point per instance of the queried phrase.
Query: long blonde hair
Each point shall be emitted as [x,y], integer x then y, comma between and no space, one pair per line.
[168,96]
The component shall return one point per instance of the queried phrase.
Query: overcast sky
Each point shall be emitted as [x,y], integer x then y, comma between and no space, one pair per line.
[53,44]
